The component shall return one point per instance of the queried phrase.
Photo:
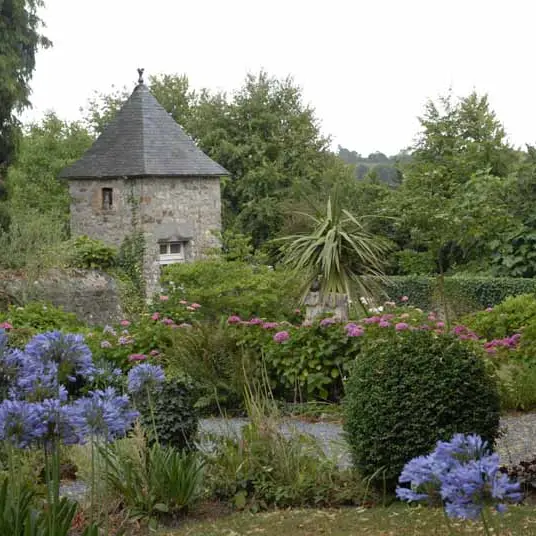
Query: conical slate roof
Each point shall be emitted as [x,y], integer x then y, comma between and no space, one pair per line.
[143,140]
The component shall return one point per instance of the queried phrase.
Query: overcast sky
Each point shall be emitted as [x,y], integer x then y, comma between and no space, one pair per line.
[366,66]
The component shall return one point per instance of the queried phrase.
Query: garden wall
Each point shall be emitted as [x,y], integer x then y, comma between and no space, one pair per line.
[92,296]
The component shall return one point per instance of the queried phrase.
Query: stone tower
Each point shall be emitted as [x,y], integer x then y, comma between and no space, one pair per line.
[145,174]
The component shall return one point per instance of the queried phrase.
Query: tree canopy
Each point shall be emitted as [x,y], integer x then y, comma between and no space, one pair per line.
[20,38]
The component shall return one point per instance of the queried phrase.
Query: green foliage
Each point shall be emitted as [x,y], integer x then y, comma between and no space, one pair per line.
[36,317]
[225,288]
[152,480]
[311,364]
[130,259]
[92,254]
[454,199]
[508,317]
[263,467]
[340,254]
[175,417]
[45,149]
[464,294]
[517,384]
[515,256]
[409,262]
[15,507]
[208,354]
[21,38]
[33,242]
[410,390]
[144,336]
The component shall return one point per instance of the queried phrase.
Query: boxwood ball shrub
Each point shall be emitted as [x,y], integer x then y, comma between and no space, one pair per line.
[175,416]
[410,389]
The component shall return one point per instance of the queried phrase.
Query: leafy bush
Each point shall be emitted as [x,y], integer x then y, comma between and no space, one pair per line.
[464,294]
[509,317]
[226,288]
[129,342]
[175,417]
[407,391]
[35,317]
[415,262]
[517,384]
[208,354]
[310,361]
[92,254]
[153,480]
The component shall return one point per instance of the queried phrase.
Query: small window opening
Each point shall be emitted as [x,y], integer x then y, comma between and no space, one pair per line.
[107,198]
[171,252]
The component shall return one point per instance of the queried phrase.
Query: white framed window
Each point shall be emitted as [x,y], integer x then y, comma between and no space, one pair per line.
[171,252]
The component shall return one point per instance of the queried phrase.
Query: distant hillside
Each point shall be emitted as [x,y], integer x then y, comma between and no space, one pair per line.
[376,165]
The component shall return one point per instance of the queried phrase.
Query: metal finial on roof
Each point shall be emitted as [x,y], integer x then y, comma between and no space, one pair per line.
[140,77]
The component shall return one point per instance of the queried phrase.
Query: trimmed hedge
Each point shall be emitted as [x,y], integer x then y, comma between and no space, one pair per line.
[409,390]
[464,294]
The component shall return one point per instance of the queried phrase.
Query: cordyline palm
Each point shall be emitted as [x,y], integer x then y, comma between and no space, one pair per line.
[339,253]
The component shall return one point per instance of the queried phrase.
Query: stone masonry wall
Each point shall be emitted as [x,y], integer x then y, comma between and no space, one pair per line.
[191,205]
[92,296]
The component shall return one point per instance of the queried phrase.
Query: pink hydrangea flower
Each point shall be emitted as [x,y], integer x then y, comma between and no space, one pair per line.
[183,302]
[270,325]
[384,324]
[164,298]
[327,322]
[190,308]
[281,336]
[432,317]
[125,323]
[297,311]
[404,299]
[233,319]
[255,321]
[154,353]
[137,357]
[372,320]
[195,305]
[401,326]
[6,325]
[354,331]
[167,321]
[440,325]
[155,316]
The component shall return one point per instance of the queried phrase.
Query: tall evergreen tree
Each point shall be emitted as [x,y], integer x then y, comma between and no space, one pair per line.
[20,39]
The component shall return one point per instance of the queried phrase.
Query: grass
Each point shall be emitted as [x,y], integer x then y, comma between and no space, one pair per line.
[396,520]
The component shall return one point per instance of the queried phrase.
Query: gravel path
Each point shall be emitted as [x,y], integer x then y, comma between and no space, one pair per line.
[518,441]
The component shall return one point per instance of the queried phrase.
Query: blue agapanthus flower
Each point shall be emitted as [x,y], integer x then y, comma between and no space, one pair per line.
[20,422]
[470,486]
[57,423]
[463,473]
[103,414]
[36,381]
[143,377]
[67,350]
